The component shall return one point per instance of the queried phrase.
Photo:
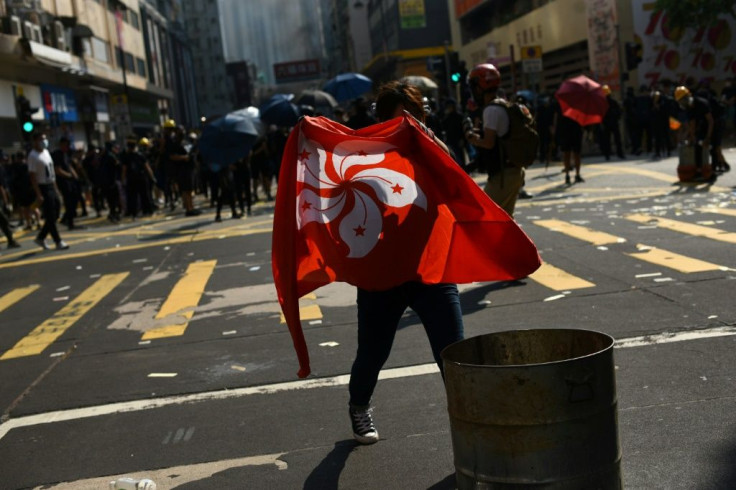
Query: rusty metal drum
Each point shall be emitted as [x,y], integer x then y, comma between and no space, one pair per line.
[534,408]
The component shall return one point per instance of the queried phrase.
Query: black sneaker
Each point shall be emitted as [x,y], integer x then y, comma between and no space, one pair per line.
[567,179]
[363,429]
[578,179]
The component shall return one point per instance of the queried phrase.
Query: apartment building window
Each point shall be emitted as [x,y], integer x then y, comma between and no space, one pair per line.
[100,50]
[130,62]
[134,21]
[141,66]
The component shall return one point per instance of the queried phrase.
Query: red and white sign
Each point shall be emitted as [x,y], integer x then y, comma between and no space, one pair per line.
[292,71]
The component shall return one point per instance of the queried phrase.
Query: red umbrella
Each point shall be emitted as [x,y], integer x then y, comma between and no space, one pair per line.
[582,100]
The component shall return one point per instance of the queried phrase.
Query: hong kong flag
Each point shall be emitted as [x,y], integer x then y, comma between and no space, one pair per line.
[378,207]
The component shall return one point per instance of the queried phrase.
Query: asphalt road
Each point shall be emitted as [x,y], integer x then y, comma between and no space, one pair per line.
[112,365]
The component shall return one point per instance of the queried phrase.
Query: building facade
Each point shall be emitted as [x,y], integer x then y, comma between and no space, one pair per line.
[97,70]
[202,21]
[406,37]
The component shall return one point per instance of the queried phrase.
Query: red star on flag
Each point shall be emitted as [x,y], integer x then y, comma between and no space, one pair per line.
[304,155]
[359,231]
[306,205]
[397,189]
[362,153]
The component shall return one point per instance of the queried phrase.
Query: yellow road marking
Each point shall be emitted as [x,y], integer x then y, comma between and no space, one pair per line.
[50,257]
[557,279]
[16,295]
[725,211]
[683,227]
[674,261]
[182,300]
[579,232]
[47,332]
[308,312]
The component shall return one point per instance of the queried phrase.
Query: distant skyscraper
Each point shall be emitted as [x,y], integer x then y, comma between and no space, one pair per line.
[266,32]
[202,21]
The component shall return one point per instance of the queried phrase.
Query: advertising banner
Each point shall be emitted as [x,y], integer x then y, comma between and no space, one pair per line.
[412,14]
[59,103]
[707,53]
[603,42]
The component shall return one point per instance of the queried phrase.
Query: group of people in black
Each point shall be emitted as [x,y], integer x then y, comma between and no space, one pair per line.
[135,179]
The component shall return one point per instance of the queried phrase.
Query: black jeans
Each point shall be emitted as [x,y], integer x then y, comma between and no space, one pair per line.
[379,312]
[50,209]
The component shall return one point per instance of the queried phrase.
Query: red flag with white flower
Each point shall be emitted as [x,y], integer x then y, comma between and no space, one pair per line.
[378,207]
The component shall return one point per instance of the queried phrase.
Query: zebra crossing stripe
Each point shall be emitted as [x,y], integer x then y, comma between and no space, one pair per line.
[723,211]
[182,300]
[684,227]
[558,280]
[12,297]
[674,261]
[47,332]
[580,232]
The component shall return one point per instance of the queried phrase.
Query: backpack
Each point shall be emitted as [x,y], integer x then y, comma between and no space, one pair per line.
[521,143]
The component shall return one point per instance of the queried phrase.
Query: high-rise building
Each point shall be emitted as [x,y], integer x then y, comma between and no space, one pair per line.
[271,32]
[202,22]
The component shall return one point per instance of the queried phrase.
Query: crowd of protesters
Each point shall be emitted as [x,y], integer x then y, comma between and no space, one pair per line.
[142,176]
[163,171]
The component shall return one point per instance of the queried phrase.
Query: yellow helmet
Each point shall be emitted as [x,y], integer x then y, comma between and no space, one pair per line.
[143,142]
[169,123]
[681,92]
[606,89]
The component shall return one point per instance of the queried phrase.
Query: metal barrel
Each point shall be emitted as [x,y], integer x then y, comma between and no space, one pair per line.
[534,408]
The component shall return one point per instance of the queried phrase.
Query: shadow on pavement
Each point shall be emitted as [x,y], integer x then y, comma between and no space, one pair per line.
[723,474]
[326,476]
[447,483]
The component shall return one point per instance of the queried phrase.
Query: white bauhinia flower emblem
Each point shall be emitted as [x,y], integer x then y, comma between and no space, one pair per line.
[347,193]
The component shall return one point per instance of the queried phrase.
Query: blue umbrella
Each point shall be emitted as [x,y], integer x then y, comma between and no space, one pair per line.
[229,138]
[279,110]
[348,86]
[526,94]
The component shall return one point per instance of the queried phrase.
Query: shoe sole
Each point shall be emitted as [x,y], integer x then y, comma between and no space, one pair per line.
[366,440]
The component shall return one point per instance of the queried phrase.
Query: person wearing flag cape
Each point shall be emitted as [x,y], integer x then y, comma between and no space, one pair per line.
[386,209]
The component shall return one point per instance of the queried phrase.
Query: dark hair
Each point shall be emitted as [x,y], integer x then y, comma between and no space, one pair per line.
[63,140]
[396,93]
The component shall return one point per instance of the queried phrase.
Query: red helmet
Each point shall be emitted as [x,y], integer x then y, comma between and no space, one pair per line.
[485,76]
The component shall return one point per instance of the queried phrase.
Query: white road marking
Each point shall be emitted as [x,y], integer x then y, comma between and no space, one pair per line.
[306,384]
[652,274]
[329,344]
[177,475]
[162,375]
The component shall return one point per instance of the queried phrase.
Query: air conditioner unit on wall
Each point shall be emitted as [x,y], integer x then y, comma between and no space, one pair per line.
[59,36]
[28,29]
[37,36]
[12,25]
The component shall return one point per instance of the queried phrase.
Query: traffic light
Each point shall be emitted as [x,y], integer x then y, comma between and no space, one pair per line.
[633,55]
[455,74]
[25,113]
[440,70]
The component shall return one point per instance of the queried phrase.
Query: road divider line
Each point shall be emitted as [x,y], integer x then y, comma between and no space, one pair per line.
[580,232]
[684,227]
[47,332]
[558,280]
[672,260]
[12,297]
[182,300]
[306,384]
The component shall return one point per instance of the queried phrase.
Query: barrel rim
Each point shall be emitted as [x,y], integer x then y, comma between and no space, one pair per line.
[517,366]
